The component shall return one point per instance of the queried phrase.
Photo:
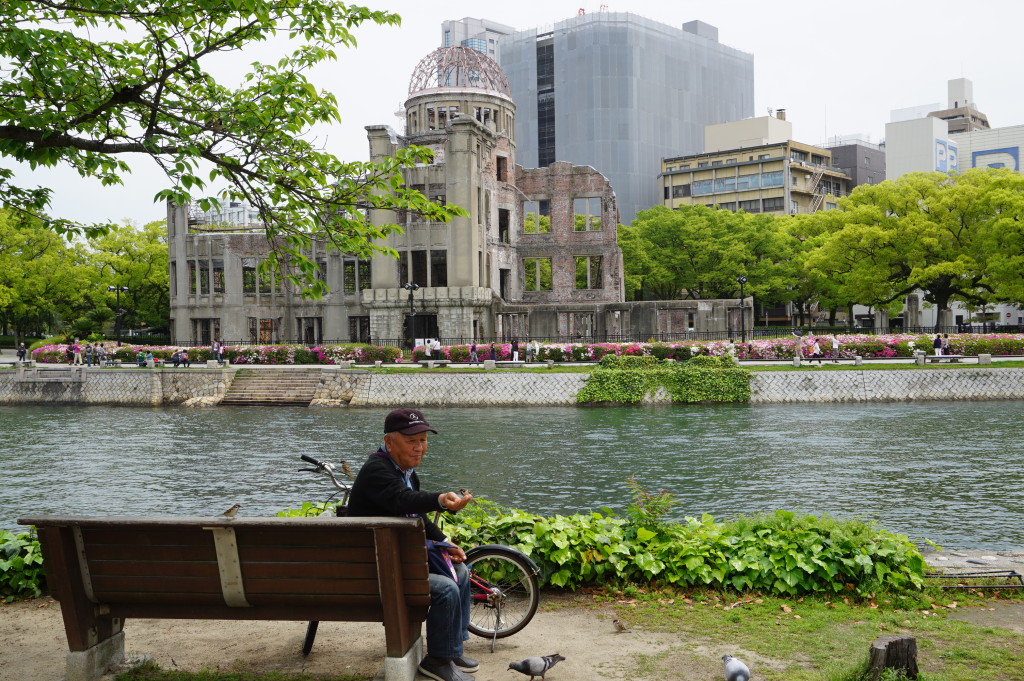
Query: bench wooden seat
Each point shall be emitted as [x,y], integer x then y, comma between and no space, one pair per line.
[945,358]
[106,569]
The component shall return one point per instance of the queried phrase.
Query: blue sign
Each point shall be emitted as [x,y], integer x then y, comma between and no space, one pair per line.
[947,156]
[1007,157]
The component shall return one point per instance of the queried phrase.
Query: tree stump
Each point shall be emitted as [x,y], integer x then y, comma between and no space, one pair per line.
[893,652]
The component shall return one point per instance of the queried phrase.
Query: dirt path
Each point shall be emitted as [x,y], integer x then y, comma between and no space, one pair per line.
[33,646]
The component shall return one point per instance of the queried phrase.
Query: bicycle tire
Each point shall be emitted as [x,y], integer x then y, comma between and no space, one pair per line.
[307,643]
[507,611]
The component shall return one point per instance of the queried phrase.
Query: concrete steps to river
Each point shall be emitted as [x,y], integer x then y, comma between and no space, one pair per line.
[273,387]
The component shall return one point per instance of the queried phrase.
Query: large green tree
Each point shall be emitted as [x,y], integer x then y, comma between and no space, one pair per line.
[927,231]
[43,280]
[96,84]
[699,252]
[136,259]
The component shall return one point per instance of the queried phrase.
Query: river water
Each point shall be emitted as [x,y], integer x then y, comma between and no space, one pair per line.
[947,471]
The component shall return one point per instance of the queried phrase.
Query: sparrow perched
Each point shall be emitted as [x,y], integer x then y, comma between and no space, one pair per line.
[233,511]
[464,492]
[620,626]
[536,666]
[346,469]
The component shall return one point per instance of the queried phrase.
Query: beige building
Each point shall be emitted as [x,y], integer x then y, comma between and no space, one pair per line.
[536,257]
[755,166]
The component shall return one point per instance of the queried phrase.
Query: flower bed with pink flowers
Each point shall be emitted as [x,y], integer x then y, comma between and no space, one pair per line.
[850,345]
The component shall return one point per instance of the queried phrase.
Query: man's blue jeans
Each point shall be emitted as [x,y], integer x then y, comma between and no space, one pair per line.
[448,617]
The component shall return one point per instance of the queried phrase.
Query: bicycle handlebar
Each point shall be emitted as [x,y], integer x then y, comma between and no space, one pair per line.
[308,459]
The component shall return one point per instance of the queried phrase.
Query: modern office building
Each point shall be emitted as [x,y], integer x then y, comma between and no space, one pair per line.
[862,160]
[755,166]
[960,114]
[480,34]
[536,256]
[617,92]
[938,141]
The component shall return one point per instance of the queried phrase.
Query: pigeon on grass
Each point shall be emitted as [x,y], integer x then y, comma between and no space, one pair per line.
[536,666]
[735,670]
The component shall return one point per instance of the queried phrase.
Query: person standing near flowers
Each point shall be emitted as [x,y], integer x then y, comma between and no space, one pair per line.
[937,345]
[835,349]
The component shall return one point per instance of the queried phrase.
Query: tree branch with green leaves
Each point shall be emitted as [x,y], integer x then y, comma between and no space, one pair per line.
[144,90]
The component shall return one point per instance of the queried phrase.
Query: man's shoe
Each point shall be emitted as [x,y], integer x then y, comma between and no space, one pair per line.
[441,669]
[466,664]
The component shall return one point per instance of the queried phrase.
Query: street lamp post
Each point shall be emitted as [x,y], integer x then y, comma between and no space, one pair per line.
[743,321]
[410,333]
[118,312]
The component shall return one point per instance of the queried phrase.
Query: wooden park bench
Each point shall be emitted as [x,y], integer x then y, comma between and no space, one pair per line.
[106,569]
[953,359]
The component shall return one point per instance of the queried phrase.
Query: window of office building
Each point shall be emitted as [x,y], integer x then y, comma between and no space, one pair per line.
[774,203]
[680,191]
[751,206]
[192,277]
[588,272]
[545,103]
[772,179]
[700,187]
[586,214]
[537,274]
[744,182]
[725,184]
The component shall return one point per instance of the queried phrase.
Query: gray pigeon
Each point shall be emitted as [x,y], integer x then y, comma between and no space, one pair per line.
[735,670]
[536,666]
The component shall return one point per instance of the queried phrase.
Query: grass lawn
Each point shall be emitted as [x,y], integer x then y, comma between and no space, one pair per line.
[827,639]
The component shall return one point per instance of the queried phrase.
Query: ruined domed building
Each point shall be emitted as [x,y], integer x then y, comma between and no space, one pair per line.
[536,257]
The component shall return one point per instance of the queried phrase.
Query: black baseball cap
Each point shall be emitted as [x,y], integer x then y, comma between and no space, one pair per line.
[406,421]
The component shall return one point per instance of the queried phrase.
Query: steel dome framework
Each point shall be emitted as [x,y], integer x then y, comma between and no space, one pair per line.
[458,67]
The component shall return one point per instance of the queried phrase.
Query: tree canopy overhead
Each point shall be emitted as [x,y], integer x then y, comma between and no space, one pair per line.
[95,84]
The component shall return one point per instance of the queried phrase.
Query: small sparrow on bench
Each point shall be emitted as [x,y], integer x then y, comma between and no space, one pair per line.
[233,511]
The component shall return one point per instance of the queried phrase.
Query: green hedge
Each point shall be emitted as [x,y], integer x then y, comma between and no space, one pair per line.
[629,379]
[777,553]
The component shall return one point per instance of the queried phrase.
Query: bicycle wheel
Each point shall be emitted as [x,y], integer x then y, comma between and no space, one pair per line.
[504,594]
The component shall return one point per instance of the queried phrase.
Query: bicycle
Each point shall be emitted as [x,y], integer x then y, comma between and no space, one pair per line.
[503,580]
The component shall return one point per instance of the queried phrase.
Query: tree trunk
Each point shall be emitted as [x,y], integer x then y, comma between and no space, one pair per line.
[893,652]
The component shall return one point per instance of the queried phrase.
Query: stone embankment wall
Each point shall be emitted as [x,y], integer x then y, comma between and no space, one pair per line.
[128,387]
[359,388]
[887,386]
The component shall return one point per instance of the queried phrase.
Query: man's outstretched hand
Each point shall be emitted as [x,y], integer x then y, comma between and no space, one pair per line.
[453,502]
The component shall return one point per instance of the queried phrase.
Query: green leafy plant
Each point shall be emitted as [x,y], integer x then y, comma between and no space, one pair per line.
[21,565]
[781,553]
[648,508]
[630,379]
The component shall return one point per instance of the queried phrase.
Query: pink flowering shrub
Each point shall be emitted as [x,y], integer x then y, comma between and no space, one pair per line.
[850,345]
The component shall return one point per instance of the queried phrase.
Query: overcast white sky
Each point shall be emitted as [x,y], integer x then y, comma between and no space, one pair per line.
[837,68]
